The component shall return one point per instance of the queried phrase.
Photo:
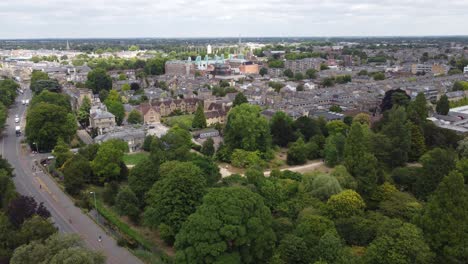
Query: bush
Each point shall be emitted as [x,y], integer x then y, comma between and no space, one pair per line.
[166,233]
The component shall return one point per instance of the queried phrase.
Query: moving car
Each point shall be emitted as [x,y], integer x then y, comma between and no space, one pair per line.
[17,119]
[27,101]
[23,102]
[18,131]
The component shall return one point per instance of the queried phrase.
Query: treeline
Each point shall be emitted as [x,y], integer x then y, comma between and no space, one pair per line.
[27,234]
[8,93]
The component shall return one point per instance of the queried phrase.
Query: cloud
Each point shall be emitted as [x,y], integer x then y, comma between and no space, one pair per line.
[216,18]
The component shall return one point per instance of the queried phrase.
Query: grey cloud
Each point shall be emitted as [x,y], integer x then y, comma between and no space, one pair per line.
[204,18]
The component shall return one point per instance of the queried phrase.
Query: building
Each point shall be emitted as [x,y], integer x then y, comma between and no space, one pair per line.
[465,70]
[179,68]
[154,110]
[134,137]
[206,133]
[303,65]
[347,60]
[209,49]
[101,119]
[436,69]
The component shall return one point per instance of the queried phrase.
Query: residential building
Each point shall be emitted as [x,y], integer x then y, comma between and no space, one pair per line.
[154,110]
[303,65]
[101,119]
[179,68]
[134,137]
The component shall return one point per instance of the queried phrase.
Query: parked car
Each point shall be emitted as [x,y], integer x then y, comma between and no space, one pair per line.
[17,119]
[23,102]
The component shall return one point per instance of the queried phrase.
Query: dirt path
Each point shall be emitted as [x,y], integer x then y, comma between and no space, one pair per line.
[225,172]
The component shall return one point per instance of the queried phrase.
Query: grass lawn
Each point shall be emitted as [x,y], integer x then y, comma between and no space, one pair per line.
[134,158]
[183,121]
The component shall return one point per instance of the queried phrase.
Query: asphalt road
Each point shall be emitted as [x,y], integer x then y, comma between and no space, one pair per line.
[66,217]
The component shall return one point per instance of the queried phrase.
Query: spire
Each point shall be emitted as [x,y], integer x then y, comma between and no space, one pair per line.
[68,45]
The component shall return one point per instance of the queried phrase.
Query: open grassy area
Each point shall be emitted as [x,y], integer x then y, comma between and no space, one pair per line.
[183,121]
[134,158]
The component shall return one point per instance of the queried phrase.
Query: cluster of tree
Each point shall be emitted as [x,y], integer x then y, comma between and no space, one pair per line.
[27,235]
[275,63]
[8,94]
[277,86]
[49,118]
[115,106]
[331,81]
[460,86]
[40,81]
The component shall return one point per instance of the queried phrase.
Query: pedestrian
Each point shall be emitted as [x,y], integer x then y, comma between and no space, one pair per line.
[40,186]
[99,239]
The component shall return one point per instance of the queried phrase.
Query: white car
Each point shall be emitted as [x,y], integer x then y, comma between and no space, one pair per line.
[17,119]
[23,102]
[27,102]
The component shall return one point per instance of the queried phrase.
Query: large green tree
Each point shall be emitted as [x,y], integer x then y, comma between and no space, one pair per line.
[61,152]
[143,176]
[281,129]
[126,203]
[56,249]
[62,100]
[48,122]
[117,109]
[247,129]
[175,196]
[445,220]
[334,149]
[199,119]
[98,80]
[398,130]
[403,245]
[8,93]
[358,160]
[77,172]
[443,106]
[135,117]
[231,226]
[239,99]
[308,127]
[107,164]
[417,109]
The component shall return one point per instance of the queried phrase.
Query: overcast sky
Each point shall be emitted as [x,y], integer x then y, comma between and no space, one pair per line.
[225,18]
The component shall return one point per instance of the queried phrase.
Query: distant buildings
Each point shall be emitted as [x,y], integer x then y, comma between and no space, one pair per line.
[303,65]
[436,69]
[154,110]
[101,119]
[134,137]
[465,70]
[179,68]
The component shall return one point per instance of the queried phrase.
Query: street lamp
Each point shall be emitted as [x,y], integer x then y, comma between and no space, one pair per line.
[95,206]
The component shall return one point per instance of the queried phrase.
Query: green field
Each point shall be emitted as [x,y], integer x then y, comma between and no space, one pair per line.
[134,158]
[183,121]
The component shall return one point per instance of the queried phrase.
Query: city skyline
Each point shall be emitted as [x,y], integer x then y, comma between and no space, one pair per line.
[211,18]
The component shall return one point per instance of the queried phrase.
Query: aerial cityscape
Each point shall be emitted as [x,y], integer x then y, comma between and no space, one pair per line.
[253,132]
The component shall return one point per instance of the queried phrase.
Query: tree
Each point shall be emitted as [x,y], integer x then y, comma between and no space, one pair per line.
[328,82]
[418,146]
[77,172]
[175,145]
[38,76]
[281,129]
[398,130]
[335,108]
[417,109]
[45,85]
[400,205]
[293,249]
[7,189]
[135,117]
[345,204]
[199,119]
[175,196]
[126,203]
[239,99]
[334,149]
[321,186]
[460,86]
[246,159]
[299,76]
[117,109]
[357,159]
[208,148]
[297,153]
[443,106]
[403,245]
[378,76]
[263,71]
[142,177]
[209,168]
[36,228]
[308,127]
[52,98]
[240,229]
[247,129]
[463,148]
[394,97]
[288,73]
[23,207]
[56,249]
[312,227]
[336,126]
[345,179]
[98,80]
[106,165]
[311,73]
[61,153]
[362,118]
[46,123]
[444,220]
[83,112]
[436,164]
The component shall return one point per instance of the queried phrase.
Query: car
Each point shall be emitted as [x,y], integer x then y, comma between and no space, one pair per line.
[16,116]
[17,119]
[27,102]
[23,102]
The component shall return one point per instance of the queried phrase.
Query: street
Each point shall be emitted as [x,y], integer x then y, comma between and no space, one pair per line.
[66,217]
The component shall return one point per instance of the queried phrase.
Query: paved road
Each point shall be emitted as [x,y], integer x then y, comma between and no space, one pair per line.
[67,217]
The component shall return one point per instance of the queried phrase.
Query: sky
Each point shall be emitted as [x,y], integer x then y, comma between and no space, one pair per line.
[230,18]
